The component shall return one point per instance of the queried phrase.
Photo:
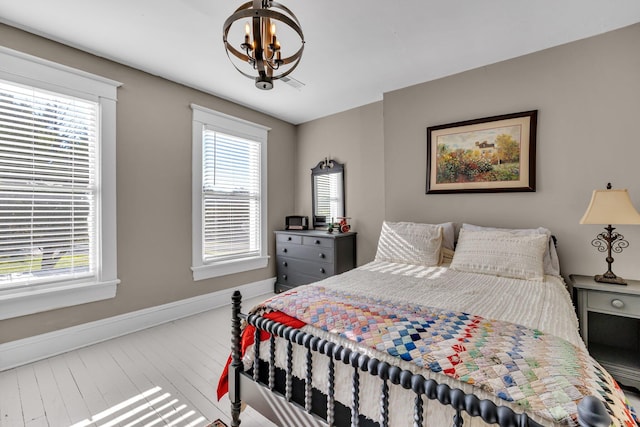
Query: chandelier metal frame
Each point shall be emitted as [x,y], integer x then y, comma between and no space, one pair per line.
[263,53]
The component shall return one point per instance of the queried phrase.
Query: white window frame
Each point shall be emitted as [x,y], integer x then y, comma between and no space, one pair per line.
[205,118]
[29,70]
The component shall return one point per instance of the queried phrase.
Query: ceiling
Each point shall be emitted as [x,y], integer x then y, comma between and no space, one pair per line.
[355,50]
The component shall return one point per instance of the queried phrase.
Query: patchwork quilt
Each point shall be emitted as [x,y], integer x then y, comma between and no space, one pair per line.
[543,373]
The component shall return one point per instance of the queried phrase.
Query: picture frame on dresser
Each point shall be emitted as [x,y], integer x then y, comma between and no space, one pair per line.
[486,155]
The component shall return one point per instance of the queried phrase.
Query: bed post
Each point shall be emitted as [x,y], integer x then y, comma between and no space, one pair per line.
[236,362]
[593,413]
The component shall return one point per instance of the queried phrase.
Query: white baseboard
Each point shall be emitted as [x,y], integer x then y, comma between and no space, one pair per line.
[31,349]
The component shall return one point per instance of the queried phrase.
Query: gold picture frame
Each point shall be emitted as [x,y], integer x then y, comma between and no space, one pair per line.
[487,155]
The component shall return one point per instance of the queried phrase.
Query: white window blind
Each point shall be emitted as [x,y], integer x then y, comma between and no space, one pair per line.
[231,197]
[328,196]
[48,186]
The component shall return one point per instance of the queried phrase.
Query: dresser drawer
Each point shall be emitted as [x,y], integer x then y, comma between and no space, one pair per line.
[295,272]
[293,279]
[289,238]
[297,278]
[613,302]
[310,253]
[311,268]
[317,241]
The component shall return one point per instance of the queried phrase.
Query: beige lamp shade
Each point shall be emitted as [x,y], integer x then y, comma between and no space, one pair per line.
[610,207]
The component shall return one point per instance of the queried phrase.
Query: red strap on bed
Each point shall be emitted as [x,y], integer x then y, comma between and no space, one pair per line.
[247,339]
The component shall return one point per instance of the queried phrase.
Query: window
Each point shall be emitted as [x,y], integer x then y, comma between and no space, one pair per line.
[229,195]
[57,186]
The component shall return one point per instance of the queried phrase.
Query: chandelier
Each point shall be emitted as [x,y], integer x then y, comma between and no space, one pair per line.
[261,49]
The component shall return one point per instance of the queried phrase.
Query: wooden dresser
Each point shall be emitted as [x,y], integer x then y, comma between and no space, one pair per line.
[306,256]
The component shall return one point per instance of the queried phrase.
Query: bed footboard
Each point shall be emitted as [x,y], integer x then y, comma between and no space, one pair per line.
[591,411]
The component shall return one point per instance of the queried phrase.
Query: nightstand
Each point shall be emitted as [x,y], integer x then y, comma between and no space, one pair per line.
[610,325]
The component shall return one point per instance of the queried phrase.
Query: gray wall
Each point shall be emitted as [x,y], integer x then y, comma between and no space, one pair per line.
[154,189]
[587,94]
[354,138]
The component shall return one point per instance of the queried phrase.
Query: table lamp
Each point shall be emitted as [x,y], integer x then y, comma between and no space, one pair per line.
[610,207]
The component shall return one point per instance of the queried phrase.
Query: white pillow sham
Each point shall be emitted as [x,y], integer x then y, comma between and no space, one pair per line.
[501,253]
[448,235]
[551,263]
[410,243]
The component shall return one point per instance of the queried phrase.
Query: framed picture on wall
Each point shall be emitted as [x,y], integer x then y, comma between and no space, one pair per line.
[488,155]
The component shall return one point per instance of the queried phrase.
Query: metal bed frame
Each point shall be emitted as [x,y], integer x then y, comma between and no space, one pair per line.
[273,391]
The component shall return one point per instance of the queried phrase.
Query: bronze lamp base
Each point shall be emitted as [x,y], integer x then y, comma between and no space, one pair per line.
[609,277]
[614,242]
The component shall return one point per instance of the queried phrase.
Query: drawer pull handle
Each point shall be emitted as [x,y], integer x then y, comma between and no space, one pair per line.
[284,263]
[617,303]
[284,277]
[317,242]
[284,249]
[289,238]
[322,270]
[321,255]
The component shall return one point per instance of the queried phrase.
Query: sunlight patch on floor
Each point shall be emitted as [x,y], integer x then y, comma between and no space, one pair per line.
[141,411]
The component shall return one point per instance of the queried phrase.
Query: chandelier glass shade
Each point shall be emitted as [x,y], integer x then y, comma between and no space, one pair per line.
[261,56]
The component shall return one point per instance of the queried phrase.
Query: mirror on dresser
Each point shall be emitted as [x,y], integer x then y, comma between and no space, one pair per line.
[327,190]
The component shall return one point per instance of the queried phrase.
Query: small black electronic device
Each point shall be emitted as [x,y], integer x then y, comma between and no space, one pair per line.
[319,221]
[297,222]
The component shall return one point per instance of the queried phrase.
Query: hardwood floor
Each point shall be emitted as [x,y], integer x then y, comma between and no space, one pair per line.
[162,376]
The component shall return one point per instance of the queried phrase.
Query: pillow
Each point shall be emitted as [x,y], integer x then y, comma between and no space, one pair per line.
[410,243]
[551,262]
[448,235]
[501,253]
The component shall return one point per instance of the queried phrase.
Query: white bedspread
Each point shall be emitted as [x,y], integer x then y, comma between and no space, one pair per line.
[545,306]
[539,305]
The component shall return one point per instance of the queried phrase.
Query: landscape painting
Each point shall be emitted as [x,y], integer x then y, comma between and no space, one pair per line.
[491,154]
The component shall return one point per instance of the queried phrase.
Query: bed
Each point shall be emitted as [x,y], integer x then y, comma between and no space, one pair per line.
[425,335]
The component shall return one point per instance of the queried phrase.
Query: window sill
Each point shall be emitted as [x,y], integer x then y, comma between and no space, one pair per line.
[32,300]
[228,267]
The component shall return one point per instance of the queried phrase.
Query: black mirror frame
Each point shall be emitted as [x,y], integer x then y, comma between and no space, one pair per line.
[326,167]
